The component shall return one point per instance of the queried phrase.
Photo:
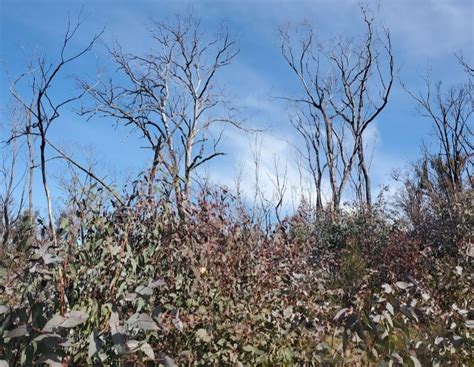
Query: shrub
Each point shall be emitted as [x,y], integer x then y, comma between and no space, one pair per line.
[138,284]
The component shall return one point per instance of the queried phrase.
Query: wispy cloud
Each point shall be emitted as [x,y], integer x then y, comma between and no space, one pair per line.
[430,28]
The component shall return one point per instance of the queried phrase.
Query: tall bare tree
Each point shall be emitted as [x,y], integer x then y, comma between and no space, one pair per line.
[344,87]
[30,142]
[170,97]
[310,129]
[45,109]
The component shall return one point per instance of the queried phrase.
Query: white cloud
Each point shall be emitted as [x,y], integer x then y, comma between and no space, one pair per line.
[277,160]
[430,28]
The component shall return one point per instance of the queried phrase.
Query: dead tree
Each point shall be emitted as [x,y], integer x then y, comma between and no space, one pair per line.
[44,110]
[309,127]
[30,142]
[11,177]
[451,115]
[170,97]
[344,88]
[279,183]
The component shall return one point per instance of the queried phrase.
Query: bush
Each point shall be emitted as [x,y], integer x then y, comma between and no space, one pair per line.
[139,285]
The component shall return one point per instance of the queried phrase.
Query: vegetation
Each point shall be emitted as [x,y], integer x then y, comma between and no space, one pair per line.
[168,272]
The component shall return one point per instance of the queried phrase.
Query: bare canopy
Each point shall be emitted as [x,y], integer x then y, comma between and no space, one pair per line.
[171,98]
[344,88]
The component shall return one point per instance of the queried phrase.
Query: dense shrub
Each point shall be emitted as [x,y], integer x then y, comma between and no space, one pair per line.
[139,284]
[440,216]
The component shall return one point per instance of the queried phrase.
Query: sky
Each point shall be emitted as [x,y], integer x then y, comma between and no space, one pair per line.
[425,34]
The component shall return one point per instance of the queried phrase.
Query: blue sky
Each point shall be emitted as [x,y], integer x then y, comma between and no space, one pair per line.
[424,32]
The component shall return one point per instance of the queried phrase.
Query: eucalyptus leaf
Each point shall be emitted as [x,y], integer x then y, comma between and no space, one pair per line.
[416,362]
[94,344]
[50,359]
[54,323]
[51,340]
[148,350]
[52,259]
[21,330]
[144,290]
[74,318]
[403,285]
[142,321]
[340,313]
[118,336]
[203,335]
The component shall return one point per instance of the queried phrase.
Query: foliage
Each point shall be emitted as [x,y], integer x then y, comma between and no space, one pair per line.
[163,275]
[439,215]
[137,284]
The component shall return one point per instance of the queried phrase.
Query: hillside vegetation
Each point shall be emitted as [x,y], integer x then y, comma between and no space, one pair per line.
[173,271]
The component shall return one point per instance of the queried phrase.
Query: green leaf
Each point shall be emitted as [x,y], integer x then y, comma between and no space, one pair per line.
[51,360]
[64,223]
[168,362]
[403,285]
[21,330]
[389,308]
[70,320]
[144,290]
[415,361]
[132,345]
[248,348]
[251,349]
[54,323]
[142,321]
[203,335]
[157,283]
[52,259]
[340,313]
[94,344]
[74,318]
[148,350]
[118,337]
[49,340]
[73,269]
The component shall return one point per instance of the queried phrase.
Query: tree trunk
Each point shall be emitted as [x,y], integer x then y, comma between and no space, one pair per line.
[365,173]
[153,169]
[44,177]
[31,168]
[331,163]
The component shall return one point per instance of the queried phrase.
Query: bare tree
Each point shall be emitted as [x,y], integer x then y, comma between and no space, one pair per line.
[170,97]
[261,205]
[451,115]
[44,110]
[30,142]
[345,88]
[309,127]
[279,183]
[11,178]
